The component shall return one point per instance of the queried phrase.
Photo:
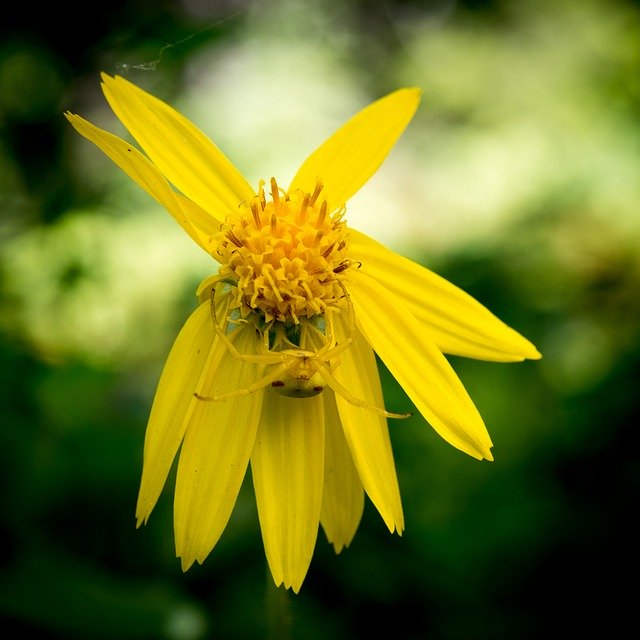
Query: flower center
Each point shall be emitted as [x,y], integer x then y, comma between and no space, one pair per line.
[283,254]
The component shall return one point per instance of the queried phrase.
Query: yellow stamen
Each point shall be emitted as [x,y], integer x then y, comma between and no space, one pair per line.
[302,215]
[256,214]
[316,193]
[323,213]
[275,195]
[234,239]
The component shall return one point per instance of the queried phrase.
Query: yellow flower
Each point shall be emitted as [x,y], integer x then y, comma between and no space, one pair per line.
[276,365]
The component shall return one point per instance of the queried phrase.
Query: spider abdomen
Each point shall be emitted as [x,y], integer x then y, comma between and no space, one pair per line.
[302,381]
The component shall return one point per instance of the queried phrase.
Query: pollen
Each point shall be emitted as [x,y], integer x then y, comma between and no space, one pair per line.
[283,253]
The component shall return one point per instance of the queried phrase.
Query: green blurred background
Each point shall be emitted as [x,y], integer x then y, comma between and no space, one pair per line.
[518,180]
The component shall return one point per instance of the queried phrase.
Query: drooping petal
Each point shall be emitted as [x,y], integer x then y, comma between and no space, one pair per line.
[142,171]
[419,366]
[287,465]
[355,151]
[343,495]
[367,432]
[171,405]
[185,155]
[216,449]
[455,321]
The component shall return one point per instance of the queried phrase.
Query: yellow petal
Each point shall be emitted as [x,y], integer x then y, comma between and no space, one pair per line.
[456,322]
[174,396]
[343,496]
[367,432]
[206,224]
[216,449]
[143,172]
[287,466]
[187,157]
[419,366]
[355,151]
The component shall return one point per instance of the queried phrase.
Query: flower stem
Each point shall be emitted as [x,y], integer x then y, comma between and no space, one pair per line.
[278,611]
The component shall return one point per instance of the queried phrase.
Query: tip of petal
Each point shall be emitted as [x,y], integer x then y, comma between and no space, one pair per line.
[281,581]
[108,80]
[142,513]
[534,355]
[185,563]
[294,587]
[414,92]
[289,581]
[526,350]
[478,445]
[410,96]
[395,527]
[339,545]
[72,118]
[478,453]
[106,77]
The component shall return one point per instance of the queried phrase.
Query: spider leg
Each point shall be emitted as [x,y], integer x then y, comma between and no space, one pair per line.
[332,348]
[264,358]
[260,383]
[344,393]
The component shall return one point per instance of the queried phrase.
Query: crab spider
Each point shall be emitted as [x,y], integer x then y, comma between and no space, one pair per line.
[297,372]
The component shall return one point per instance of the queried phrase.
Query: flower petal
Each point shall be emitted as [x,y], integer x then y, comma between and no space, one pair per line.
[173,399]
[287,466]
[141,170]
[216,449]
[178,148]
[455,321]
[367,432]
[343,496]
[424,373]
[355,151]
[205,223]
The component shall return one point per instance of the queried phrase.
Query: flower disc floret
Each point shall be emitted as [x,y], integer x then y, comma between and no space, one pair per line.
[283,254]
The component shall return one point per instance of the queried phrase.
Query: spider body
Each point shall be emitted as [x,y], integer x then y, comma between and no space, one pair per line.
[302,380]
[300,357]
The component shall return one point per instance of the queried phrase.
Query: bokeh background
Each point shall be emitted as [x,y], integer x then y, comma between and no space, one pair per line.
[518,180]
